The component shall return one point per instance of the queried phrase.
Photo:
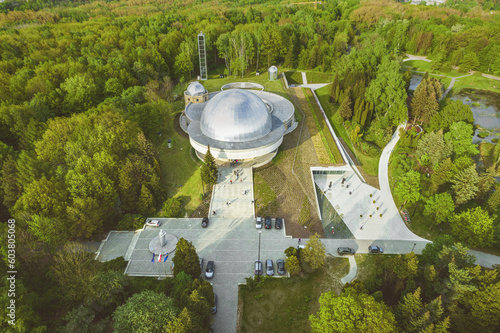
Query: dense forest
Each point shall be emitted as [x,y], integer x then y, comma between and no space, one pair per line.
[86,90]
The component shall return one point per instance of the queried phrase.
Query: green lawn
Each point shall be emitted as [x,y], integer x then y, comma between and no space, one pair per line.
[328,141]
[294,77]
[425,66]
[319,77]
[476,82]
[284,304]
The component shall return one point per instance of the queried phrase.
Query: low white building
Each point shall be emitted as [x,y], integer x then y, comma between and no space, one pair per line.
[237,124]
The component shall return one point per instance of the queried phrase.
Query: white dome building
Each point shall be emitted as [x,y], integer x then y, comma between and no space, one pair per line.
[239,124]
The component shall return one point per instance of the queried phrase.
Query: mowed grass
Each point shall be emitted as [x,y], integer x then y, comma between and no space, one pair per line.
[425,66]
[180,171]
[284,304]
[294,77]
[476,82]
[265,198]
[319,77]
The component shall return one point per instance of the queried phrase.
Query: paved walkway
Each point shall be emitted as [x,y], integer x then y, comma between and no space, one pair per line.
[233,195]
[453,79]
[353,270]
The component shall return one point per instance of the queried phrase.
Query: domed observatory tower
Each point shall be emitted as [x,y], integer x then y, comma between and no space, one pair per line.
[195,93]
[273,73]
[239,124]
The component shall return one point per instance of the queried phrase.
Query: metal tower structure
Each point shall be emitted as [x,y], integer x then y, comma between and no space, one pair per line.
[203,56]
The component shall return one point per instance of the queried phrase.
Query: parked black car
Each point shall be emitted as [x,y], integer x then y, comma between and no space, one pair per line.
[345,250]
[214,309]
[279,223]
[375,249]
[267,223]
[280,266]
[209,272]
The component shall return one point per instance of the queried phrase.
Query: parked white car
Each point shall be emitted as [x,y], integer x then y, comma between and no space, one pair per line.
[258,222]
[153,223]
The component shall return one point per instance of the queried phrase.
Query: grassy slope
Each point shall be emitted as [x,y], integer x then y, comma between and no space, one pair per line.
[370,164]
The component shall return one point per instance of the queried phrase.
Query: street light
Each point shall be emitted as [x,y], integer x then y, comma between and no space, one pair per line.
[258,262]
[414,244]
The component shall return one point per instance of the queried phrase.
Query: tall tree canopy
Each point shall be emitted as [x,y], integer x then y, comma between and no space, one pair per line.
[351,311]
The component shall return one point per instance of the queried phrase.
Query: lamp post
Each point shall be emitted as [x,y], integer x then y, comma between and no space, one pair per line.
[414,244]
[258,262]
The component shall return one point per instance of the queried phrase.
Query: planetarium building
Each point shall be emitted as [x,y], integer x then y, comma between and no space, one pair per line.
[237,123]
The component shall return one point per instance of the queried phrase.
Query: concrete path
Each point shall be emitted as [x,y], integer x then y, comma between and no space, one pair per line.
[233,194]
[353,270]
[304,78]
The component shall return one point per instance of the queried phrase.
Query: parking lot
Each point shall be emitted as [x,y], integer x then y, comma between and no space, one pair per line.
[233,244]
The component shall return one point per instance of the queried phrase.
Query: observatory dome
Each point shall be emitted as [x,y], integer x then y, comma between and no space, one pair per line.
[273,69]
[195,89]
[235,115]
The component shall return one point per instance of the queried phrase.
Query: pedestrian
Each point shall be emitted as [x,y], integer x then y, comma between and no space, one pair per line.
[241,180]
[253,202]
[300,239]
[243,192]
[234,172]
[231,181]
[350,193]
[213,213]
[229,202]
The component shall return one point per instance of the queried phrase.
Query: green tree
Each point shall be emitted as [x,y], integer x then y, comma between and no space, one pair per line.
[408,187]
[173,208]
[454,111]
[209,170]
[460,137]
[483,310]
[439,207]
[345,109]
[292,265]
[80,93]
[387,92]
[333,88]
[146,201]
[474,226]
[424,103]
[186,259]
[432,149]
[145,312]
[486,181]
[465,185]
[414,316]
[314,253]
[73,269]
[397,272]
[351,311]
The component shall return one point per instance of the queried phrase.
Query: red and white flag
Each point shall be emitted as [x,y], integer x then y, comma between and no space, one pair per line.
[159,258]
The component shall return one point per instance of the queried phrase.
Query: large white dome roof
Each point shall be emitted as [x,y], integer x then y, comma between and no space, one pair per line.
[235,115]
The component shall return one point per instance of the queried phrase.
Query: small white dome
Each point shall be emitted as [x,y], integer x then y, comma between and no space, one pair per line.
[196,89]
[235,115]
[273,69]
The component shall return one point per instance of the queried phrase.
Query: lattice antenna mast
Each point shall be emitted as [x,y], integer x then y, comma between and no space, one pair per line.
[203,56]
